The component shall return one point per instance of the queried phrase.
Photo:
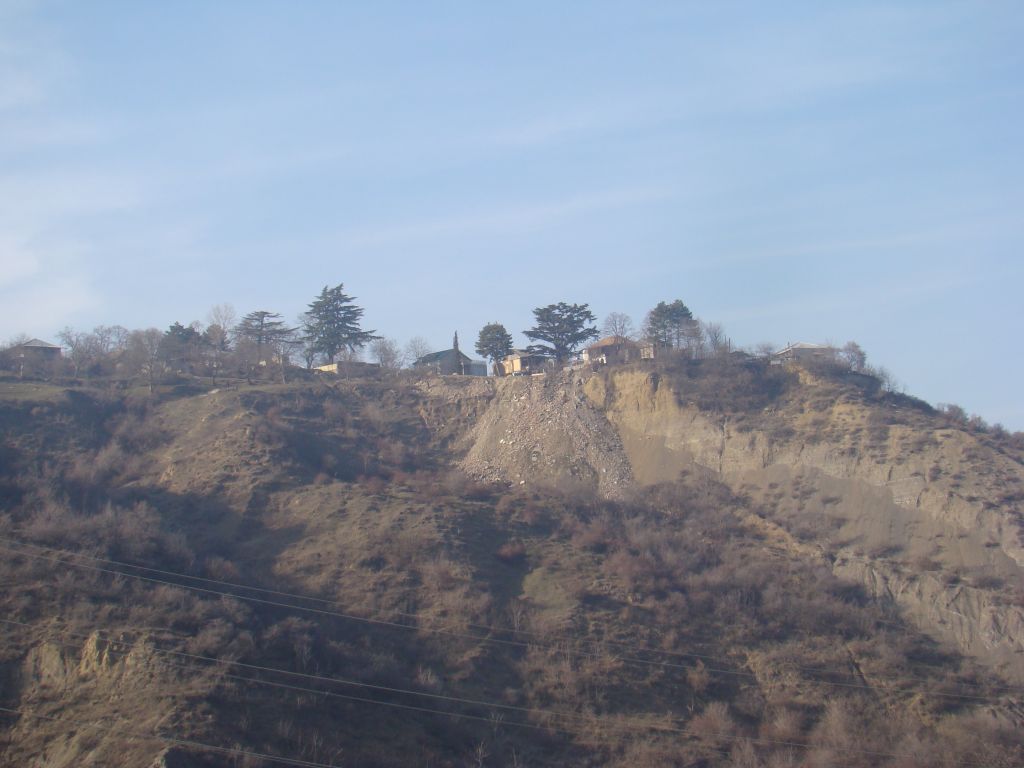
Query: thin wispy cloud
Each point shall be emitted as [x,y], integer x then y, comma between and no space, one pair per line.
[21,135]
[45,266]
[40,199]
[501,221]
[798,60]
[30,62]
[850,299]
[43,285]
[730,259]
[584,122]
[17,261]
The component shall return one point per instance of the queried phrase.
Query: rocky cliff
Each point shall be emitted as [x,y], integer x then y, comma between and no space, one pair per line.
[923,514]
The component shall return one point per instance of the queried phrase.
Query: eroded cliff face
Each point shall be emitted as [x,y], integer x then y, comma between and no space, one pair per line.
[928,518]
[546,430]
[923,515]
[92,681]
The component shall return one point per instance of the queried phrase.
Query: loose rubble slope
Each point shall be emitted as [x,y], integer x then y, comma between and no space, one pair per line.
[544,429]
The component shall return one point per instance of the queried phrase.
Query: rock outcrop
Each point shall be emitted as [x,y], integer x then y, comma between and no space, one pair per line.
[923,515]
[544,429]
[909,510]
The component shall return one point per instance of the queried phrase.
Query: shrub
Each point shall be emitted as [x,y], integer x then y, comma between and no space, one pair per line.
[511,552]
[698,677]
[375,485]
[714,726]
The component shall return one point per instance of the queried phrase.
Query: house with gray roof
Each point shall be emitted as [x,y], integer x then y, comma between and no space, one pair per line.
[451,361]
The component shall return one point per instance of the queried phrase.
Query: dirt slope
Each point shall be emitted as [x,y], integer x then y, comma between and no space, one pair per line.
[922,514]
[545,430]
[582,577]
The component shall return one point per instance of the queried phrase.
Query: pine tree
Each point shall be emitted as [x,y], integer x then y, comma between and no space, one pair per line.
[669,325]
[494,342]
[264,329]
[564,326]
[332,324]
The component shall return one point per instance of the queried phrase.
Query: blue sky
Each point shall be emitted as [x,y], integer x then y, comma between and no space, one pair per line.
[796,171]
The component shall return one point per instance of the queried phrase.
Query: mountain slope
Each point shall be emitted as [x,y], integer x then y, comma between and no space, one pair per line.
[623,598]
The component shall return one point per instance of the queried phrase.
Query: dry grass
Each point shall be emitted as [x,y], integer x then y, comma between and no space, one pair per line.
[323,493]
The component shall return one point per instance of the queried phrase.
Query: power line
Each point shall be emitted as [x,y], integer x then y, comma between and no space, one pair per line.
[482,627]
[462,635]
[465,635]
[171,740]
[326,679]
[624,727]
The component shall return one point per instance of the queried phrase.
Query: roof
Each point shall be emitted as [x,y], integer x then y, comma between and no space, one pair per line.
[39,343]
[523,353]
[611,341]
[802,345]
[435,357]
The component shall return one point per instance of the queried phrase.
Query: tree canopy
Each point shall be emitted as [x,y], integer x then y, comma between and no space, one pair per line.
[564,327]
[494,342]
[262,328]
[332,323]
[181,344]
[669,325]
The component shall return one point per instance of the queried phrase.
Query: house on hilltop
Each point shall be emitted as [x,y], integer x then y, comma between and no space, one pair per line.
[522,362]
[32,357]
[348,367]
[612,349]
[37,349]
[451,361]
[802,352]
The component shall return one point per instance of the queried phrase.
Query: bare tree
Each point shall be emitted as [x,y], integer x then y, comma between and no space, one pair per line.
[144,353]
[285,346]
[692,337]
[10,359]
[308,355]
[889,382]
[387,354]
[417,348]
[517,612]
[217,337]
[953,412]
[87,351]
[854,356]
[480,754]
[109,339]
[764,349]
[717,340]
[79,347]
[223,315]
[618,324]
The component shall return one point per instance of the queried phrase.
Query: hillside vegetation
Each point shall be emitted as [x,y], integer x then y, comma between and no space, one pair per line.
[711,563]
